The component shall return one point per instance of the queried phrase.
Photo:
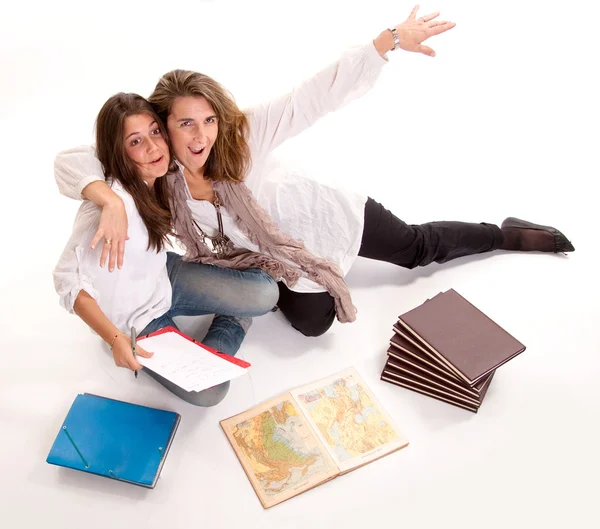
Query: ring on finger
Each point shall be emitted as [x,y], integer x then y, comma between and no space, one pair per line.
[108,241]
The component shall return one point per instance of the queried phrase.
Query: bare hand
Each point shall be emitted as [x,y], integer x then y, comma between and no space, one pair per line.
[123,355]
[413,31]
[112,230]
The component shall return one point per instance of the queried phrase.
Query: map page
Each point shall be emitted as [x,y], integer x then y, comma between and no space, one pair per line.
[278,450]
[349,420]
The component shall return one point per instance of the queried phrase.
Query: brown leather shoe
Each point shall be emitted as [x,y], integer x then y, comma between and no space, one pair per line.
[561,243]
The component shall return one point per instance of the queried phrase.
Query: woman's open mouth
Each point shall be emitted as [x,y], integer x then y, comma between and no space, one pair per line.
[197,151]
[157,161]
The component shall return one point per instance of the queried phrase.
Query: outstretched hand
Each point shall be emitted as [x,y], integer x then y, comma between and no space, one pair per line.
[413,31]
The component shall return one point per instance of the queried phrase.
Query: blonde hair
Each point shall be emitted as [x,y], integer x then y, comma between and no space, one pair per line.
[230,155]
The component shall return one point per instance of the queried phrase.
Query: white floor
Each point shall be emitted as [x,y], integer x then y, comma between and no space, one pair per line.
[504,121]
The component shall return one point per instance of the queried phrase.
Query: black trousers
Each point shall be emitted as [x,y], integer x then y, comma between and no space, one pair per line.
[387,238]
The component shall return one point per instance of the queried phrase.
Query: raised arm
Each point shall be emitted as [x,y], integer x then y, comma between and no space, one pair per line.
[79,174]
[336,85]
[275,121]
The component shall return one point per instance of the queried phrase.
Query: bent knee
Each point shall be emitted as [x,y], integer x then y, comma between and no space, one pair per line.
[265,296]
[314,328]
[209,397]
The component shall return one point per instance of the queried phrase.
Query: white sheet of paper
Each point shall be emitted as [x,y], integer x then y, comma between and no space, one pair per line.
[185,363]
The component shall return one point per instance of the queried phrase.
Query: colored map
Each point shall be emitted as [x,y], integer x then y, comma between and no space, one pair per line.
[347,418]
[280,449]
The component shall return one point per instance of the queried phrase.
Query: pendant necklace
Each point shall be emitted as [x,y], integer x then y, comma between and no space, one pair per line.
[218,244]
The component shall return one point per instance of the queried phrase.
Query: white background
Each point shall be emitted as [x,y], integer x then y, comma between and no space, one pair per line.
[504,121]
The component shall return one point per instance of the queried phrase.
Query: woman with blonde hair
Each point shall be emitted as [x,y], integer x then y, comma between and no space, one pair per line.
[228,212]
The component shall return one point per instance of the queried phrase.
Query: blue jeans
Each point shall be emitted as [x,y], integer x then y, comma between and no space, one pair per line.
[234,296]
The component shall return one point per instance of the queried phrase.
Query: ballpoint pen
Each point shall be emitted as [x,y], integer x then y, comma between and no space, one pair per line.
[133,346]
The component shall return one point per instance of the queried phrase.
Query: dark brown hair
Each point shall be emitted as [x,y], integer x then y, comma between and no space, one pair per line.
[230,155]
[152,203]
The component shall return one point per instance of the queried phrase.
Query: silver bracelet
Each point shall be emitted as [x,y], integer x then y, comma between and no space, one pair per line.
[396,39]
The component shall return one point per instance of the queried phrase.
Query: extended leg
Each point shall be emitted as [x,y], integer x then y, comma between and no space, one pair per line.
[387,238]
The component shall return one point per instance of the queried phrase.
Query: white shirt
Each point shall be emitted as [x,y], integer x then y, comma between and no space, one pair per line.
[133,297]
[329,221]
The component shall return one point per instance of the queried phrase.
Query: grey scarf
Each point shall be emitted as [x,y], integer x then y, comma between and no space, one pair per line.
[257,224]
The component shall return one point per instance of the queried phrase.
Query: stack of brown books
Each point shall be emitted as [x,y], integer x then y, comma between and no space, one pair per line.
[448,349]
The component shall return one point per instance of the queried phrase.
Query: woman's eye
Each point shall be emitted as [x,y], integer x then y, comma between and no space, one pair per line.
[156,132]
[185,124]
[135,142]
[210,120]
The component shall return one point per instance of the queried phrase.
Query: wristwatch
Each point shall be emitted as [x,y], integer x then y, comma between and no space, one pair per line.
[396,39]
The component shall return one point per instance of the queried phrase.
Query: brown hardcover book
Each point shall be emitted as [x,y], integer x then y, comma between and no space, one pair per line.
[408,384]
[405,342]
[486,386]
[411,344]
[407,380]
[462,337]
[405,370]
[310,435]
[401,362]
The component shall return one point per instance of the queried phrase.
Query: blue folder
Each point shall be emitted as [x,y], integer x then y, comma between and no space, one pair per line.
[115,439]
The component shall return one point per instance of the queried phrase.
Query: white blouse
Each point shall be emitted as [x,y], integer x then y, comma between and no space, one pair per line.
[329,221]
[135,296]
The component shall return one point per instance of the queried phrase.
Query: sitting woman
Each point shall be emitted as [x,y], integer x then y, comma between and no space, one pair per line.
[229,212]
[155,285]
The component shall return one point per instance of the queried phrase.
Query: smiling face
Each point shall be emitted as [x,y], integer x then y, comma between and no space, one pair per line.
[193,128]
[145,146]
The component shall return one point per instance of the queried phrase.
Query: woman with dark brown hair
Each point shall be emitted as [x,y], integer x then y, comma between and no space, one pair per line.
[155,285]
[228,211]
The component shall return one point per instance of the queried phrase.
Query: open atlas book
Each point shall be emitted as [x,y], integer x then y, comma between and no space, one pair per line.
[310,435]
